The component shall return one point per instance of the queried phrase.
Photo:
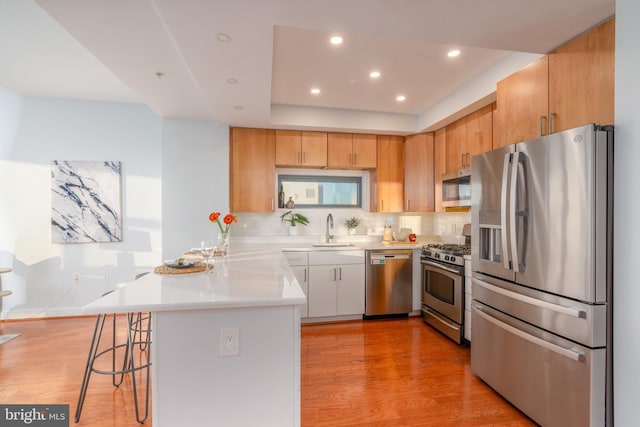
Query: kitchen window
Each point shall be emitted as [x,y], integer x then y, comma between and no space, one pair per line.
[309,191]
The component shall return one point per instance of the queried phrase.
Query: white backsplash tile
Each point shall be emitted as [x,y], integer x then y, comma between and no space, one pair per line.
[448,225]
[269,224]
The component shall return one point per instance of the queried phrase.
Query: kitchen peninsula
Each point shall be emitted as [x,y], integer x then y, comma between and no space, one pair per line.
[253,293]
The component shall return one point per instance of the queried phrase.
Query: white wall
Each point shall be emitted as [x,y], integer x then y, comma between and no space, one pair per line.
[626,207]
[195,174]
[35,131]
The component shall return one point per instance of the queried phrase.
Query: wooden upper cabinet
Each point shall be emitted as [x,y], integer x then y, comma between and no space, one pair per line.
[387,180]
[252,170]
[339,150]
[365,154]
[351,151]
[572,86]
[456,145]
[419,173]
[288,146]
[479,133]
[301,149]
[581,79]
[439,165]
[522,103]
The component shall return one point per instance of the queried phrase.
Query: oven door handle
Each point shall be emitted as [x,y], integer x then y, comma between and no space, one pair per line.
[571,354]
[440,266]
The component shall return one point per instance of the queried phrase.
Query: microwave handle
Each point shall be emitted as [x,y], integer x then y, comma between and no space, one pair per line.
[506,261]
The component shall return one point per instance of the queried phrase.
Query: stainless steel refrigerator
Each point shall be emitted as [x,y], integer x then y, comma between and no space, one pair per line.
[542,275]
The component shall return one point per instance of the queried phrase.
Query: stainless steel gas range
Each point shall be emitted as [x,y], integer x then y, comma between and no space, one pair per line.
[443,288]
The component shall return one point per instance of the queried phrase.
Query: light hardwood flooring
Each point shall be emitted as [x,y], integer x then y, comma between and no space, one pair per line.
[374,373]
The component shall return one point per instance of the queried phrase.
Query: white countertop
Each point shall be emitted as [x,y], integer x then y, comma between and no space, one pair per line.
[247,278]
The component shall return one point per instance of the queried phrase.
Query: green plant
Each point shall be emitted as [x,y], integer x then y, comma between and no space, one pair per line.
[352,222]
[294,218]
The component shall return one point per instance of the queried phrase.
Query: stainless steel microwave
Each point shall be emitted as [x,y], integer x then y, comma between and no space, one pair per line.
[456,188]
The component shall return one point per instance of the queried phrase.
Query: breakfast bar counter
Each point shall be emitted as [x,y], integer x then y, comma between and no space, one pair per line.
[226,344]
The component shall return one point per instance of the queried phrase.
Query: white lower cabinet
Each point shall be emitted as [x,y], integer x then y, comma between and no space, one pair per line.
[351,289]
[336,283]
[336,290]
[299,263]
[302,274]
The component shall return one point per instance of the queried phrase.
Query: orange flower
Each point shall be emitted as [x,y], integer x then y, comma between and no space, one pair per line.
[228,219]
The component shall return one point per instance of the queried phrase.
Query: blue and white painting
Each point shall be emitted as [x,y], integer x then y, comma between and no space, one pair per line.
[85,201]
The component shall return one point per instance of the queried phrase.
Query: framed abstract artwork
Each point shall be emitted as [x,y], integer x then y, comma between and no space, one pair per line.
[86,201]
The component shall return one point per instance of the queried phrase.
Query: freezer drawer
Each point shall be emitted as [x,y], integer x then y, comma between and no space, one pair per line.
[554,381]
[577,321]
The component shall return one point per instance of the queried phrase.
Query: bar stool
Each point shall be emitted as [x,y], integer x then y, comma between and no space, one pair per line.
[138,334]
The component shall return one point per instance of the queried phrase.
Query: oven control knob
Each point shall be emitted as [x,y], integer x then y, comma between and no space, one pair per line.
[452,259]
[437,255]
[446,257]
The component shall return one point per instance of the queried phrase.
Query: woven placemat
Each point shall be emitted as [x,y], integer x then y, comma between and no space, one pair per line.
[196,268]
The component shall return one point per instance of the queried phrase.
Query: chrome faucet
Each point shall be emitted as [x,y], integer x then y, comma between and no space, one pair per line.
[329,237]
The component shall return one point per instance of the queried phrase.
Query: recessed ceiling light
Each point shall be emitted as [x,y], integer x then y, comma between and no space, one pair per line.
[238,107]
[315,91]
[336,40]
[222,37]
[453,53]
[374,74]
[400,98]
[232,81]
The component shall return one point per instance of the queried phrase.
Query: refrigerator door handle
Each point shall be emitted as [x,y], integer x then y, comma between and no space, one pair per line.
[506,261]
[571,354]
[513,225]
[569,311]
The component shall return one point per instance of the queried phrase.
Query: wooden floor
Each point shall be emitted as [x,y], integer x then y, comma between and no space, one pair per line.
[373,373]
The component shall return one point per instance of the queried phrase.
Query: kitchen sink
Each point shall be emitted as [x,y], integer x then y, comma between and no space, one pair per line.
[332,244]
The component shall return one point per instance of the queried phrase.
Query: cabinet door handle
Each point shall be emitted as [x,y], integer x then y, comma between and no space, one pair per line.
[542,125]
[273,205]
[335,274]
[461,160]
[340,270]
[305,275]
[381,205]
[299,157]
[351,159]
[408,205]
[551,116]
[355,159]
[304,157]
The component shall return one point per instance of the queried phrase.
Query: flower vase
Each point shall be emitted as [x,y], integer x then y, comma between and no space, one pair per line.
[352,232]
[223,243]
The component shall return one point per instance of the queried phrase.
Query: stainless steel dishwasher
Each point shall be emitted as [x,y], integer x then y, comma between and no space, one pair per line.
[388,282]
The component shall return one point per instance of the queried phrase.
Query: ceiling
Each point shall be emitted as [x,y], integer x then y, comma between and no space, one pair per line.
[167,54]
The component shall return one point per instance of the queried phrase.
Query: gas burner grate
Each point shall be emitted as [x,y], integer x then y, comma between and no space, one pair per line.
[449,248]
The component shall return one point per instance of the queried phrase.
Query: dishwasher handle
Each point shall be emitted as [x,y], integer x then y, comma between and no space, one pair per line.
[383,258]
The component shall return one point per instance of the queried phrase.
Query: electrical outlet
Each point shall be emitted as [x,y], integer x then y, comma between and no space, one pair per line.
[229,341]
